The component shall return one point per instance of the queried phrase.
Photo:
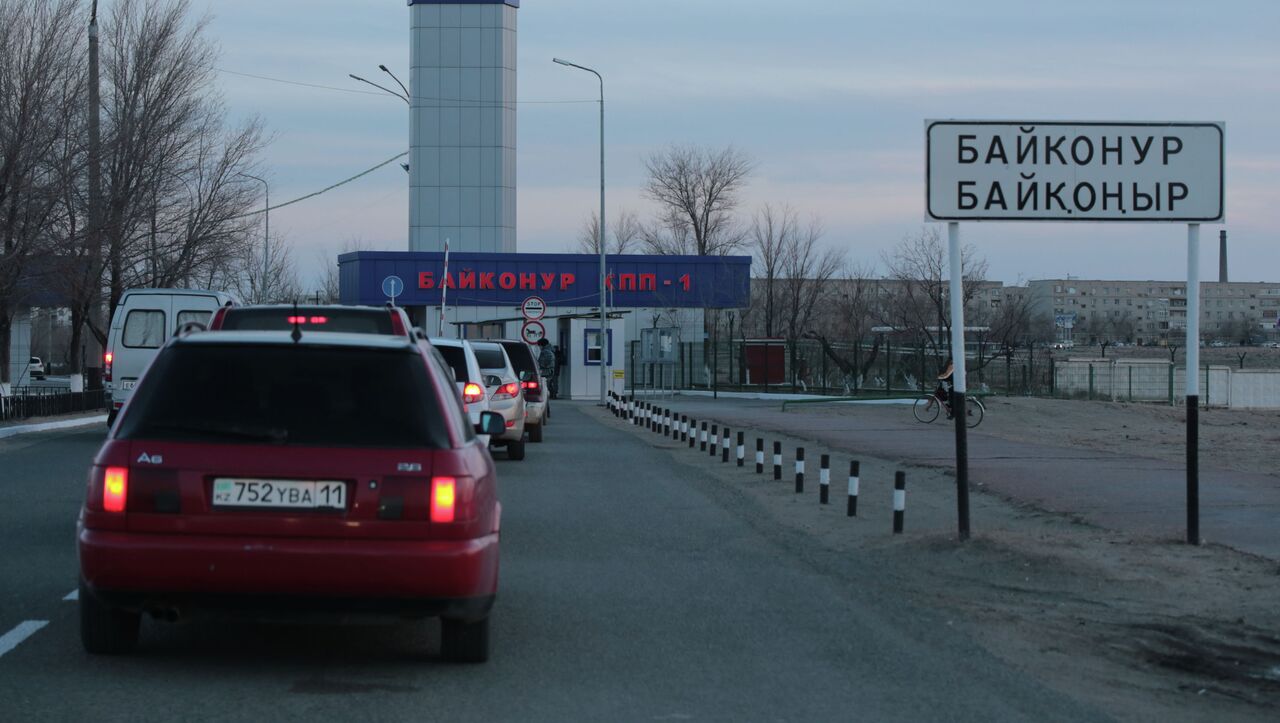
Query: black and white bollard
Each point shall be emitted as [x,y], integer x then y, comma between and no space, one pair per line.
[777,461]
[742,449]
[899,500]
[759,455]
[715,439]
[724,446]
[853,489]
[684,428]
[824,479]
[693,433]
[702,437]
[799,470]
[671,422]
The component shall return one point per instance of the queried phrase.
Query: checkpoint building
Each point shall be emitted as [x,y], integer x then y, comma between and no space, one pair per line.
[462,179]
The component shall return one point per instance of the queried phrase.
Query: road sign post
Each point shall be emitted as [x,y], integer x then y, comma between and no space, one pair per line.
[979,170]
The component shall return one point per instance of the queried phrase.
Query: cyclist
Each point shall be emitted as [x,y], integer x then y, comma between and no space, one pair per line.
[943,392]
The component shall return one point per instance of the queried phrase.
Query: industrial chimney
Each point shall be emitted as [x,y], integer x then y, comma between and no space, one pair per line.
[1222,256]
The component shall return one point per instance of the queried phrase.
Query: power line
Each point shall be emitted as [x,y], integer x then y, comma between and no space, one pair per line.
[435,102]
[326,189]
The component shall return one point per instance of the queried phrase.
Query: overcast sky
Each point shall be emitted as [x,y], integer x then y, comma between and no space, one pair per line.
[828,97]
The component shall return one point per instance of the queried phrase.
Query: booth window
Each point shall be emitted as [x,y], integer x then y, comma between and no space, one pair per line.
[591,347]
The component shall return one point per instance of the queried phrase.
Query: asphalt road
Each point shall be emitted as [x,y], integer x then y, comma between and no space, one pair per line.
[633,588]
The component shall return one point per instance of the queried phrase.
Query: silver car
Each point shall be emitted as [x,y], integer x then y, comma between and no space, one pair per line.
[506,395]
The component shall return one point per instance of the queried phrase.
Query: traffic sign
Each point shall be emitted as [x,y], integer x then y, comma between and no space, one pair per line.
[533,332]
[533,308]
[1074,171]
[392,286]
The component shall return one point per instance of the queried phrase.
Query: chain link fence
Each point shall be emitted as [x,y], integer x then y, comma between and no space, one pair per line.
[807,366]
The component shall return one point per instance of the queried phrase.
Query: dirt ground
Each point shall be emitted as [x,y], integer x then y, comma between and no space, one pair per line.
[1238,439]
[1144,630]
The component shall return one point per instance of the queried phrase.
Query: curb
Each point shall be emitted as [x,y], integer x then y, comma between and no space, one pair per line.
[6,432]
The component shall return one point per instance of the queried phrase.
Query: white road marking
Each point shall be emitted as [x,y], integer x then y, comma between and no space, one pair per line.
[73,595]
[25,629]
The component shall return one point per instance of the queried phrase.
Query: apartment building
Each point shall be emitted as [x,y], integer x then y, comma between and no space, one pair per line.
[1087,311]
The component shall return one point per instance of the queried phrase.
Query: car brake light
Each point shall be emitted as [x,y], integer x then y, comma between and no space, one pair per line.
[397,322]
[530,385]
[317,320]
[472,393]
[219,317]
[507,391]
[444,499]
[106,364]
[115,488]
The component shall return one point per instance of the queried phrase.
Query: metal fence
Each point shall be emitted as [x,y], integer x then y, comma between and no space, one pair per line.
[804,366]
[27,402]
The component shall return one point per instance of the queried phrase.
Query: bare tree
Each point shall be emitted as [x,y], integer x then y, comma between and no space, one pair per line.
[38,84]
[173,200]
[919,298]
[279,285]
[772,231]
[1007,322]
[625,234]
[699,189]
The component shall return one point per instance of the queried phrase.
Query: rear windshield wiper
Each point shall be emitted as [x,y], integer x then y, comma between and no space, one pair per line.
[274,435]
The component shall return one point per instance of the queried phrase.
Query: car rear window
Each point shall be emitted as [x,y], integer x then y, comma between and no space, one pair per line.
[491,358]
[291,395]
[456,357]
[350,321]
[521,356]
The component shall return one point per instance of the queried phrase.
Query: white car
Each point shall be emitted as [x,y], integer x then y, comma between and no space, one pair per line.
[506,395]
[461,358]
[144,320]
[36,367]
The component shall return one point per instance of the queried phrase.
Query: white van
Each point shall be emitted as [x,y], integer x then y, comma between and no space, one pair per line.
[143,322]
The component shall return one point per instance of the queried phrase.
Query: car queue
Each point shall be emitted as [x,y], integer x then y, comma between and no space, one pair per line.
[273,461]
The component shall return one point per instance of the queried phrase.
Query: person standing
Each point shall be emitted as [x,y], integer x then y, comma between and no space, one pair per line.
[547,366]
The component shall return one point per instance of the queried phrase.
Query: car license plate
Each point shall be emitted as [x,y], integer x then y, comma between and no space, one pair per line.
[127,384]
[293,494]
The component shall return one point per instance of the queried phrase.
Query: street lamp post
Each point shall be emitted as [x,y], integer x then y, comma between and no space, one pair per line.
[604,301]
[266,235]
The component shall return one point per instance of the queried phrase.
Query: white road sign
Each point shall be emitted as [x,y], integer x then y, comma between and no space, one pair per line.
[533,308]
[533,331]
[1073,171]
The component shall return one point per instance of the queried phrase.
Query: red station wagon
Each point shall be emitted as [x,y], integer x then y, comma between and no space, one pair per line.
[265,472]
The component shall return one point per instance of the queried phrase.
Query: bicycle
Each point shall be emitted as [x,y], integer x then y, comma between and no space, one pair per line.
[927,408]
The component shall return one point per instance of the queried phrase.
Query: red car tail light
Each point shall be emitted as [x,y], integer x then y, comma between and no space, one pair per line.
[444,499]
[115,489]
[472,393]
[106,366]
[219,317]
[530,385]
[315,320]
[397,322]
[507,391]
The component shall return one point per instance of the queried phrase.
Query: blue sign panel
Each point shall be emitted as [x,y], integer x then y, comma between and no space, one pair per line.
[484,279]
[392,286]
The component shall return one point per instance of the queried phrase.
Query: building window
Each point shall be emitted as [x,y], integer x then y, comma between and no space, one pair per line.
[591,347]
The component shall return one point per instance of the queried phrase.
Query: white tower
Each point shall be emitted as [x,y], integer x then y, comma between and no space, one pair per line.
[462,128]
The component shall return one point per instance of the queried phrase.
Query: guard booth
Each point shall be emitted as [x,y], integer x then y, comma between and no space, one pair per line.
[578,339]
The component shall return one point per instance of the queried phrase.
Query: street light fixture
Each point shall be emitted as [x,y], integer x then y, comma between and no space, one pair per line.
[266,235]
[383,88]
[604,300]
[384,69]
